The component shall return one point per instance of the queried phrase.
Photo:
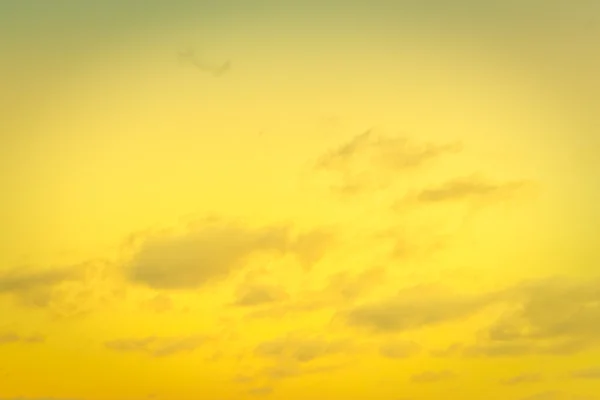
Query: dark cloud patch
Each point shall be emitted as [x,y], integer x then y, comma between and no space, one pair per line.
[522,379]
[255,295]
[215,250]
[433,376]
[415,308]
[475,188]
[11,337]
[157,346]
[588,373]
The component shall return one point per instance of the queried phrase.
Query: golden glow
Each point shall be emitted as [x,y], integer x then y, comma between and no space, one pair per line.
[333,218]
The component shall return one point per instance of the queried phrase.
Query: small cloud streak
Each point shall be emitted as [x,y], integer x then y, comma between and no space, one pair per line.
[160,303]
[11,337]
[399,349]
[256,295]
[433,376]
[522,379]
[414,308]
[157,346]
[588,373]
[469,188]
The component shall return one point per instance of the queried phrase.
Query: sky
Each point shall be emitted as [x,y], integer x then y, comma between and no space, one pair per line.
[373,201]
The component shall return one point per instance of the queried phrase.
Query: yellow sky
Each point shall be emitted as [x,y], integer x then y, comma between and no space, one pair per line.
[355,214]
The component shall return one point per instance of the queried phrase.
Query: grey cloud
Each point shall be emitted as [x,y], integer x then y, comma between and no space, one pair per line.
[588,373]
[469,187]
[254,295]
[433,376]
[157,346]
[212,252]
[415,308]
[522,379]
[11,337]
[399,349]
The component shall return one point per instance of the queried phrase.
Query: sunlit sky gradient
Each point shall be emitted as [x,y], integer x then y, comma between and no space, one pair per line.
[374,202]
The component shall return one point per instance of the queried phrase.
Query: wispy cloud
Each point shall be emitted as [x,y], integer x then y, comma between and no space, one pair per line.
[365,162]
[522,379]
[588,373]
[433,376]
[157,346]
[414,308]
[11,337]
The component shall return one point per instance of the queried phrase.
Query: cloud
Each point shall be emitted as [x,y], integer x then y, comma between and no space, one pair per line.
[11,337]
[301,350]
[35,287]
[64,291]
[255,295]
[399,349]
[415,308]
[552,316]
[363,163]
[157,346]
[548,395]
[36,398]
[589,373]
[341,290]
[433,376]
[159,304]
[397,153]
[472,187]
[522,379]
[213,251]
[261,391]
[351,286]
